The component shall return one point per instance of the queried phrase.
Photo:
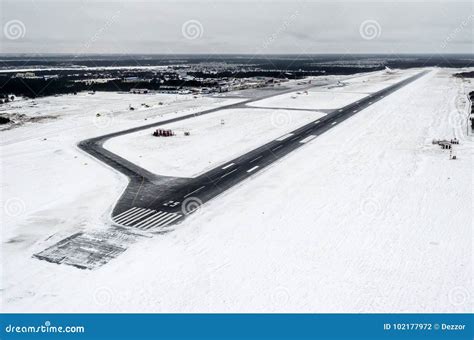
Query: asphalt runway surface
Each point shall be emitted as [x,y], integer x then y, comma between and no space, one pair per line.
[156,203]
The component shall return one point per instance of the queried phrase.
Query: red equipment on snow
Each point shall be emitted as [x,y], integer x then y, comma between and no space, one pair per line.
[163,133]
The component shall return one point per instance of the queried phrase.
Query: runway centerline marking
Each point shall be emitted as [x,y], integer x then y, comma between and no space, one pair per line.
[333,123]
[198,189]
[255,159]
[279,146]
[228,166]
[252,169]
[228,173]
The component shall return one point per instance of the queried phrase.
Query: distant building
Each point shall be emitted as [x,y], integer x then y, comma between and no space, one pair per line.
[26,75]
[139,91]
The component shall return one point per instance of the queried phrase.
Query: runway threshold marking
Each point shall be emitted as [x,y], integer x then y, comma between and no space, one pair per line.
[284,137]
[307,139]
[227,166]
[162,221]
[163,216]
[125,212]
[139,216]
[252,169]
[198,189]
[131,214]
[172,219]
[149,219]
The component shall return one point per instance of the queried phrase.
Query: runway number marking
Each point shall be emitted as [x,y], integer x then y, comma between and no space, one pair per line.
[171,204]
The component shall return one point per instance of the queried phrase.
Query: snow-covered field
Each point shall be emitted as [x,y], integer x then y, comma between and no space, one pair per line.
[210,143]
[368,217]
[47,184]
[113,109]
[313,100]
[243,129]
[334,96]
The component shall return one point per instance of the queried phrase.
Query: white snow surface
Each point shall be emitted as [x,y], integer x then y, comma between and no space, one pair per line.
[368,217]
[210,143]
[335,96]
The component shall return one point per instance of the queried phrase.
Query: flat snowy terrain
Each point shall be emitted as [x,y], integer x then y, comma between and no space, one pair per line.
[368,217]
[335,95]
[210,143]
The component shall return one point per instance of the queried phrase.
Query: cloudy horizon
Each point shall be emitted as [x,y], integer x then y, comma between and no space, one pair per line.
[236,27]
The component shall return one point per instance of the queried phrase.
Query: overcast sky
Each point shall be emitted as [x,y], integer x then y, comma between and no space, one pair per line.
[86,26]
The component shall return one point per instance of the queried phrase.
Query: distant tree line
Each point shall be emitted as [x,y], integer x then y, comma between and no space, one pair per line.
[287,74]
[39,87]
